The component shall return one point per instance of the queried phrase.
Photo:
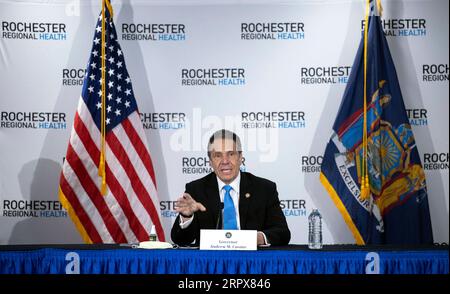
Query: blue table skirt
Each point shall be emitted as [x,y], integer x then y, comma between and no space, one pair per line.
[188,261]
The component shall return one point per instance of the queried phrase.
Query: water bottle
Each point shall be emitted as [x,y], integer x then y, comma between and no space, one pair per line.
[153,236]
[315,230]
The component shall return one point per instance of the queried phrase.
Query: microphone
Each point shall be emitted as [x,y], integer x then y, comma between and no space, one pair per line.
[220,215]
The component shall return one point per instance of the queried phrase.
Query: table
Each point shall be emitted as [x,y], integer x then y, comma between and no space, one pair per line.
[292,259]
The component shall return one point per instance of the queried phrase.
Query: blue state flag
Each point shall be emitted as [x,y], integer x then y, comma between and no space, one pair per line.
[396,210]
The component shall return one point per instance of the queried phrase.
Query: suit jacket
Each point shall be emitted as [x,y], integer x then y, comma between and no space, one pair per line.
[261,211]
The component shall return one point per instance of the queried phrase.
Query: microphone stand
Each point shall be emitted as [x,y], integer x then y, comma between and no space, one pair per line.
[220,216]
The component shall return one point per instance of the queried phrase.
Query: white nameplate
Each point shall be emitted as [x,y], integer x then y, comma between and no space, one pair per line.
[228,239]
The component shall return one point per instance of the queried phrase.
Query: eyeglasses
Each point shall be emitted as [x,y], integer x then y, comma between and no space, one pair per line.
[218,156]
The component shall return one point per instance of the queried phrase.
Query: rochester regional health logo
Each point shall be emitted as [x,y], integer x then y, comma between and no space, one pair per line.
[167,209]
[435,72]
[163,120]
[153,32]
[212,76]
[324,75]
[311,163]
[417,116]
[435,161]
[273,120]
[293,207]
[73,76]
[33,209]
[402,27]
[272,31]
[33,120]
[45,31]
[195,165]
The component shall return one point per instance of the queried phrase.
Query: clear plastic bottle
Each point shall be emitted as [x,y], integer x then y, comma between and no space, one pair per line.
[315,230]
[153,236]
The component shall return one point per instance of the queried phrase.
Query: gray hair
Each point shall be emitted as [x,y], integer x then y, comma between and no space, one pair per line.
[224,134]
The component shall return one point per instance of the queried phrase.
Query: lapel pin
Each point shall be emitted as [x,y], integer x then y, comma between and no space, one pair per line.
[247,195]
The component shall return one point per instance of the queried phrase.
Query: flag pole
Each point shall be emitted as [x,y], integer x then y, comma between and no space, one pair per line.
[101,166]
[365,187]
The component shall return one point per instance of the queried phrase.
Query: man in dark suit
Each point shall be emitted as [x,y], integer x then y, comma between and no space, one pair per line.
[249,202]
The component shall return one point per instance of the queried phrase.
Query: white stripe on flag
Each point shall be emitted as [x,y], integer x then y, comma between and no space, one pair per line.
[136,205]
[121,176]
[151,188]
[86,203]
[138,165]
[110,200]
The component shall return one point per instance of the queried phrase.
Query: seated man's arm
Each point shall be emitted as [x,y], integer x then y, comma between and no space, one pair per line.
[185,230]
[275,229]
[186,236]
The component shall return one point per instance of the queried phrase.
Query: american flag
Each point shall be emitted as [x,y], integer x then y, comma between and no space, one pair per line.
[126,213]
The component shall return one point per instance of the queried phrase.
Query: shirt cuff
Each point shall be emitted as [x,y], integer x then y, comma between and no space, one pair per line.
[267,244]
[186,223]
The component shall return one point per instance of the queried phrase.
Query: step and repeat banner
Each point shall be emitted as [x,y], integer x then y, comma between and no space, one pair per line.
[272,71]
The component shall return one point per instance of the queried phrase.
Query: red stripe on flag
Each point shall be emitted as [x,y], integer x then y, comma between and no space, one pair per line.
[79,210]
[85,137]
[94,194]
[113,184]
[140,148]
[136,183]
[118,192]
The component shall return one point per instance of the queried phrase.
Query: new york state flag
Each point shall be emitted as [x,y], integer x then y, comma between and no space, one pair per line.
[396,210]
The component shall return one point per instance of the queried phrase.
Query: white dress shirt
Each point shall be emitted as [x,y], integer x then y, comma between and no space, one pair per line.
[234,193]
[235,184]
